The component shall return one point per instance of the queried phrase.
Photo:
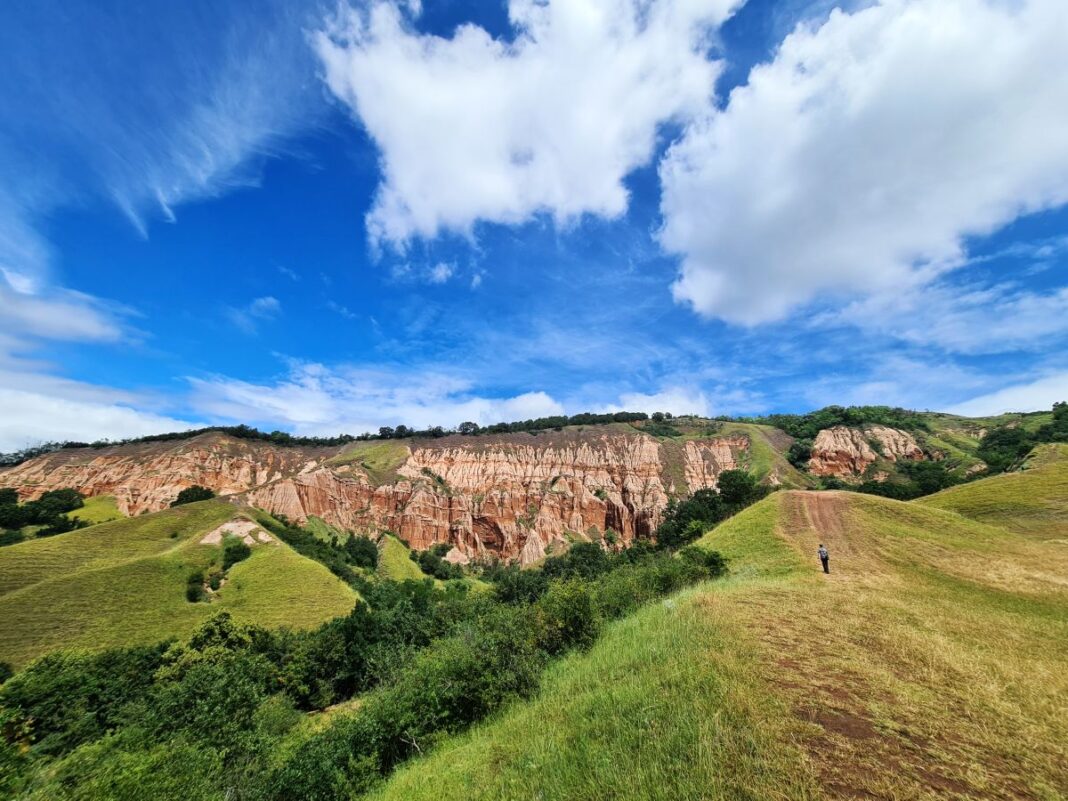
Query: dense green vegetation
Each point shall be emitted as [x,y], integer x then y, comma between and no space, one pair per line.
[1004,447]
[192,495]
[914,480]
[686,520]
[806,426]
[48,514]
[432,562]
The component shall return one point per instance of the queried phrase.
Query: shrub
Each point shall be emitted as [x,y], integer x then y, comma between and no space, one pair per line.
[431,562]
[11,537]
[70,697]
[192,495]
[194,587]
[566,618]
[362,551]
[5,672]
[235,550]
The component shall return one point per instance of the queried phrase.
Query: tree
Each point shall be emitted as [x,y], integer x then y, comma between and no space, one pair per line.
[468,429]
[361,551]
[738,488]
[193,494]
[385,432]
[9,496]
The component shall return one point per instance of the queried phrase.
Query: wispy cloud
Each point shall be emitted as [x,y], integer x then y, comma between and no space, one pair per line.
[118,108]
[1035,395]
[260,310]
[317,399]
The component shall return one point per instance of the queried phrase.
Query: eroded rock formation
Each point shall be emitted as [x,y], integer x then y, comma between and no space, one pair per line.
[514,497]
[847,453]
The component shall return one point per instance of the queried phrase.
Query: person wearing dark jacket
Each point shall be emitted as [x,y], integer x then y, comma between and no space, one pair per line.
[825,558]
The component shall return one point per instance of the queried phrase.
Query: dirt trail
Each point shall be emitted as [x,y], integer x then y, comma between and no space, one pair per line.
[815,517]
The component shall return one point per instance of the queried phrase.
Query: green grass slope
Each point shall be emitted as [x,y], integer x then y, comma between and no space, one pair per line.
[394,562]
[1033,501]
[123,583]
[98,509]
[929,664]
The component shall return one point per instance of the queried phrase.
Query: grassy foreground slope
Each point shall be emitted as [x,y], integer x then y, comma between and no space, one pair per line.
[929,664]
[1032,501]
[124,582]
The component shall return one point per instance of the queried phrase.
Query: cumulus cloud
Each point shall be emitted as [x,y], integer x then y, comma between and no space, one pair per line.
[475,128]
[1032,396]
[860,158]
[314,399]
[440,273]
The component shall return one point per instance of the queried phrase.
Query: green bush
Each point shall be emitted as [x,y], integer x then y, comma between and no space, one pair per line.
[192,495]
[362,551]
[235,550]
[566,618]
[194,587]
[71,697]
[11,537]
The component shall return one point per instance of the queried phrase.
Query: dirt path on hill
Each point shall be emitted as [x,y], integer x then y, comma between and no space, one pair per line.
[812,518]
[857,681]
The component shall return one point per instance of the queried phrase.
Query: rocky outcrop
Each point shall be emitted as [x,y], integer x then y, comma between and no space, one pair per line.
[847,453]
[706,459]
[514,497]
[148,477]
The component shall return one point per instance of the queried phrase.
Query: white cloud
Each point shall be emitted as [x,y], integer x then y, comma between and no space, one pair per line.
[862,155]
[1036,395]
[29,418]
[57,314]
[259,310]
[475,128]
[163,109]
[970,320]
[440,273]
[677,400]
[314,399]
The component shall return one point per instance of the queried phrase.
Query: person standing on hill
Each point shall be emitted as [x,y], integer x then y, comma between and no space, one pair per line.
[825,558]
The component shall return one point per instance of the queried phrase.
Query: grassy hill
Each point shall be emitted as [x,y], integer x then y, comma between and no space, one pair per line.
[98,509]
[1033,501]
[123,582]
[929,663]
[394,562]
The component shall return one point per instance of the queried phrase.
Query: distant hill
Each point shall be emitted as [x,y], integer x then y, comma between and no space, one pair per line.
[125,582]
[1032,501]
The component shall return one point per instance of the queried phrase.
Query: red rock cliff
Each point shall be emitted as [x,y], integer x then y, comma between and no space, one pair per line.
[511,496]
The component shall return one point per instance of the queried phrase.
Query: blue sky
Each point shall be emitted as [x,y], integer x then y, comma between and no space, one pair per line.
[329,218]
